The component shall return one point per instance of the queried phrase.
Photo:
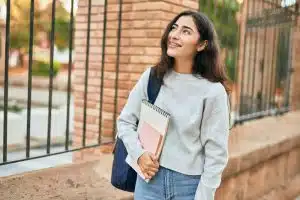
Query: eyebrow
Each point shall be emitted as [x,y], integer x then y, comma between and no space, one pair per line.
[187,27]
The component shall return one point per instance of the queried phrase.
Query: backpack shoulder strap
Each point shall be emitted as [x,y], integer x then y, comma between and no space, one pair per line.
[154,85]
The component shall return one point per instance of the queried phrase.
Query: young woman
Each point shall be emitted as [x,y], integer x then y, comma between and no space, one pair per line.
[195,93]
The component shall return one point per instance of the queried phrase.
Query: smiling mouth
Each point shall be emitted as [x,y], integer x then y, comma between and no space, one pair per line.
[173,45]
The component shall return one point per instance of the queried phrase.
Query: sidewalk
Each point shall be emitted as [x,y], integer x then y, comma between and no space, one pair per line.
[39,96]
[19,78]
[35,164]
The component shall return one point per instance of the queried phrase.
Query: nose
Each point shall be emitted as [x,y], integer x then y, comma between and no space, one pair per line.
[175,34]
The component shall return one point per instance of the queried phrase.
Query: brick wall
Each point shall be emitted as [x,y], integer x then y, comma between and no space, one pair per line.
[143,23]
[94,72]
[274,179]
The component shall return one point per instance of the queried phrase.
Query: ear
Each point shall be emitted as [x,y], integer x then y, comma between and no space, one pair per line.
[202,45]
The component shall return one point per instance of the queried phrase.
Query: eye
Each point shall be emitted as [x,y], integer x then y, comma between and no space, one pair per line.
[187,32]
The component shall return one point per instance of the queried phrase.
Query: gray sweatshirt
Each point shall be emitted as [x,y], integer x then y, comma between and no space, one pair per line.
[201,148]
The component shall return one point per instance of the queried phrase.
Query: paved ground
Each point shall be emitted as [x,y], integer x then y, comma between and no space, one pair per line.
[39,96]
[35,164]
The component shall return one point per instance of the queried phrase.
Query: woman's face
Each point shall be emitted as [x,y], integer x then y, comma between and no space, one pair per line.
[183,39]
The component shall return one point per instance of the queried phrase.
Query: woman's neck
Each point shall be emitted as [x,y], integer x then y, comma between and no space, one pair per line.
[183,66]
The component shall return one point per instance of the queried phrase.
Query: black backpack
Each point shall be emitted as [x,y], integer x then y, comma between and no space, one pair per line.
[123,176]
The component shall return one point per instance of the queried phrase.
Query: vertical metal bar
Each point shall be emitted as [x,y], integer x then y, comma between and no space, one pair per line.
[270,65]
[250,60]
[264,68]
[102,70]
[117,66]
[269,68]
[29,79]
[256,35]
[285,61]
[86,72]
[7,45]
[235,108]
[69,74]
[243,71]
[273,71]
[262,84]
[288,62]
[290,57]
[268,55]
[276,65]
[51,75]
[237,69]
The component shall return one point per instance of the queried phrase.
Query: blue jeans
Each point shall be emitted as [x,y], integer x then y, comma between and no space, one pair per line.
[167,185]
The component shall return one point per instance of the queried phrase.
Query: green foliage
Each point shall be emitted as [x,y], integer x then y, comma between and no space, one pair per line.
[20,24]
[230,62]
[11,108]
[42,68]
[223,15]
[62,33]
[282,58]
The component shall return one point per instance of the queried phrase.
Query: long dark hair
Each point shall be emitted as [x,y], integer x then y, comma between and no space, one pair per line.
[207,62]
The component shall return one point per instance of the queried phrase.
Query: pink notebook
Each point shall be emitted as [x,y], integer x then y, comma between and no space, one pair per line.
[150,138]
[152,129]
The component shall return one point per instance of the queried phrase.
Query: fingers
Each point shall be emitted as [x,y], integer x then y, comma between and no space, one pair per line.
[153,157]
[147,175]
[149,172]
[152,169]
[149,165]
[155,160]
[152,161]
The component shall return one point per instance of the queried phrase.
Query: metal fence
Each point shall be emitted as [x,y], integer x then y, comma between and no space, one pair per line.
[267,59]
[262,78]
[33,25]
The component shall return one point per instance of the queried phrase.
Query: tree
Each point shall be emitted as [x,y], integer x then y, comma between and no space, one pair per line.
[20,24]
[223,15]
[62,21]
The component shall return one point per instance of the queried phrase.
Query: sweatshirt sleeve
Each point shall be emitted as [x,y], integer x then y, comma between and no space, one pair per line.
[214,137]
[127,121]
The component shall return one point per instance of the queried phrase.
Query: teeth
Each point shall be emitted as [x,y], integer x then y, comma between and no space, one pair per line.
[173,45]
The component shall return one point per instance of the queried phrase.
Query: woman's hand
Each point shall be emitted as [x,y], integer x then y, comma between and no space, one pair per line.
[148,164]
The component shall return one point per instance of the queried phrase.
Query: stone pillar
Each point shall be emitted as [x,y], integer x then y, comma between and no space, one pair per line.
[143,23]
